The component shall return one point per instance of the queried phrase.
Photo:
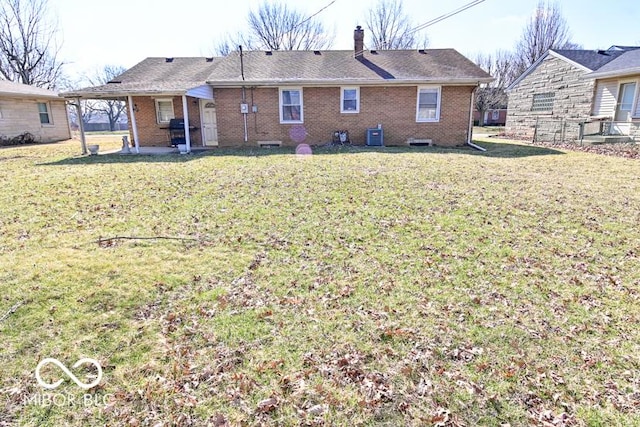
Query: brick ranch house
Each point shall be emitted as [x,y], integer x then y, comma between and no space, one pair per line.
[289,97]
[31,109]
[563,96]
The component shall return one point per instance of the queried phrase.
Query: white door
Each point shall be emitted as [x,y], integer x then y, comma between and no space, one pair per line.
[625,102]
[209,123]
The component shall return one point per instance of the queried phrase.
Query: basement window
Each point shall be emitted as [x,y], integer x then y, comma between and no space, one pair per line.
[543,101]
[164,110]
[43,112]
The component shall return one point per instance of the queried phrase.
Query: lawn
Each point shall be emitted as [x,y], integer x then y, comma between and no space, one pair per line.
[353,287]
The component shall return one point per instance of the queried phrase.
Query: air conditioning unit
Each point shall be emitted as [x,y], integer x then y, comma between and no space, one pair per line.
[375,137]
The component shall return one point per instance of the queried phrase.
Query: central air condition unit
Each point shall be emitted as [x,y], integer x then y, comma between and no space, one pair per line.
[375,137]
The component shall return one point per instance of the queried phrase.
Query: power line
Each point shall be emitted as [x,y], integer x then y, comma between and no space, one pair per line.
[312,16]
[445,16]
[439,18]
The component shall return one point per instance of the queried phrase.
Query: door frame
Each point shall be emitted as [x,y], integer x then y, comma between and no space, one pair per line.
[621,85]
[204,102]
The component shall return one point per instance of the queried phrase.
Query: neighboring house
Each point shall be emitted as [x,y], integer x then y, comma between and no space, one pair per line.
[31,109]
[491,117]
[553,98]
[493,100]
[99,121]
[290,97]
[617,96]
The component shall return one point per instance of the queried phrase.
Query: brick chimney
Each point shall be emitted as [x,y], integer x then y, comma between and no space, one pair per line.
[358,41]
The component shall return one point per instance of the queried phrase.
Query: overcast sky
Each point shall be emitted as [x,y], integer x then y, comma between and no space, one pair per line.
[123,32]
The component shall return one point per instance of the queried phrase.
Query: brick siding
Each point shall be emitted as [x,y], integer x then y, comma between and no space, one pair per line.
[151,133]
[393,106]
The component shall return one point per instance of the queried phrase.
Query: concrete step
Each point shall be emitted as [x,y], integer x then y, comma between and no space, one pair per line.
[606,139]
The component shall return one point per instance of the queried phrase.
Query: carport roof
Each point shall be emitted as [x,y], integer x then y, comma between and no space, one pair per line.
[175,76]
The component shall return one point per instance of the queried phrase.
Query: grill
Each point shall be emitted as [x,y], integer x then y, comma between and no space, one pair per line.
[176,132]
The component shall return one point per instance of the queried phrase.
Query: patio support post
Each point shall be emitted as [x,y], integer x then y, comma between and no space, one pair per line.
[83,140]
[134,126]
[185,111]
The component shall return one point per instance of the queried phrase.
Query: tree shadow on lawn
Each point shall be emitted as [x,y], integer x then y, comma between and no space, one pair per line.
[494,149]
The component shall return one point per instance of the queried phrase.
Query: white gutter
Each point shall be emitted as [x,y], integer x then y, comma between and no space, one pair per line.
[470,131]
[346,82]
[611,74]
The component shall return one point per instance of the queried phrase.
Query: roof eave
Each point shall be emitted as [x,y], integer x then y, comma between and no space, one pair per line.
[467,81]
[610,74]
[28,95]
[120,94]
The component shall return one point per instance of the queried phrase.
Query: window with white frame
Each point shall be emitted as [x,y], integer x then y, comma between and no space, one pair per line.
[164,110]
[43,111]
[291,105]
[350,100]
[428,108]
[495,115]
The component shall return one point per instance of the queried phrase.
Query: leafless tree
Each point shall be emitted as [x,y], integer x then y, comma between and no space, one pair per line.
[277,27]
[390,28]
[499,65]
[111,108]
[547,29]
[28,48]
[230,43]
[87,112]
[493,96]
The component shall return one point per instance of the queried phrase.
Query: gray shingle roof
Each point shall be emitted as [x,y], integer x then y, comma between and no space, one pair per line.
[591,59]
[8,88]
[340,66]
[625,64]
[194,69]
[156,75]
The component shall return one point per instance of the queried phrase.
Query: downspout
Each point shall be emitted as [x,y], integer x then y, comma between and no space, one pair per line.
[470,131]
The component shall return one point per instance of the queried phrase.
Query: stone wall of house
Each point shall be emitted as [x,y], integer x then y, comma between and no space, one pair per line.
[572,102]
[19,115]
[392,107]
[154,134]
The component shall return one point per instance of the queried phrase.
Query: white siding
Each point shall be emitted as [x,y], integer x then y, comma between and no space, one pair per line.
[202,92]
[604,103]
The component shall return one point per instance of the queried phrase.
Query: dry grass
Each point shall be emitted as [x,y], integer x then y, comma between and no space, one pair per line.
[354,287]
